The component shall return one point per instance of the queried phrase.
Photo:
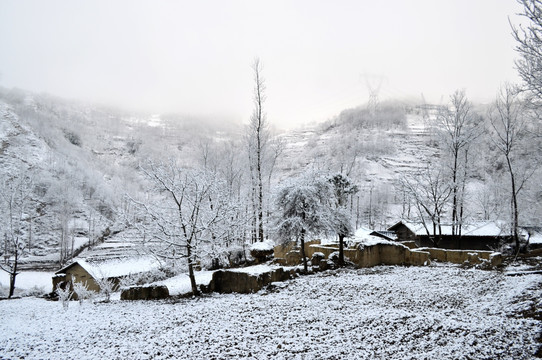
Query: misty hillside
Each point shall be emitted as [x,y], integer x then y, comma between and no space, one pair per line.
[380,149]
[84,160]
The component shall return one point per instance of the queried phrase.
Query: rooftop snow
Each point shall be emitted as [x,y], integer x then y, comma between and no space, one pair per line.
[118,267]
[483,228]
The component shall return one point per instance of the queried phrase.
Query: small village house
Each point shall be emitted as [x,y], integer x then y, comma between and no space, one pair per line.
[90,273]
[486,235]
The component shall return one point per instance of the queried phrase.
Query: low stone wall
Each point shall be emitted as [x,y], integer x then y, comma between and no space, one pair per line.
[153,292]
[462,256]
[280,251]
[365,256]
[409,244]
[324,249]
[227,281]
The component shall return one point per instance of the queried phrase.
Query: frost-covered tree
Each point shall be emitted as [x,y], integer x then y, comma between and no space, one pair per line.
[64,294]
[107,286]
[186,212]
[258,135]
[16,208]
[342,189]
[82,292]
[508,121]
[305,207]
[529,47]
[429,191]
[65,200]
[459,127]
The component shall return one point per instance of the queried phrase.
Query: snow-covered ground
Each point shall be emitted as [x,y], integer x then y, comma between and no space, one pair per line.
[436,312]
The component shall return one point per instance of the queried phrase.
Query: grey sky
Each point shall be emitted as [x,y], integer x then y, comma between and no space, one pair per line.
[194,57]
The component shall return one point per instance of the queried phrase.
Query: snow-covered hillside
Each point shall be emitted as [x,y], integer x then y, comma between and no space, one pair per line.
[85,160]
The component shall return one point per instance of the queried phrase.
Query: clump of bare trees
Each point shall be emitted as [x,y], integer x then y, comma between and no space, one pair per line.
[458,127]
[17,206]
[186,213]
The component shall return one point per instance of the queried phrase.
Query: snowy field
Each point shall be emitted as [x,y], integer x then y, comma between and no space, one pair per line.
[437,312]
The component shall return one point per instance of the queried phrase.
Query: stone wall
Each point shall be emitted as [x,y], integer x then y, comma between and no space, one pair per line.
[363,256]
[280,251]
[151,292]
[227,281]
[462,256]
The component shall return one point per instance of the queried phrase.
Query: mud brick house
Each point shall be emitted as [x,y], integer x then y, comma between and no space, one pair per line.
[486,235]
[88,272]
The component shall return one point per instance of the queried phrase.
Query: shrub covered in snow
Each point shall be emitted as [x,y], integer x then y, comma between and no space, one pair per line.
[146,277]
[262,251]
[34,291]
[82,292]
[64,295]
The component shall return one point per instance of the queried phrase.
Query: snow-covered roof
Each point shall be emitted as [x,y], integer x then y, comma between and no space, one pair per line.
[480,228]
[363,236]
[115,268]
[263,245]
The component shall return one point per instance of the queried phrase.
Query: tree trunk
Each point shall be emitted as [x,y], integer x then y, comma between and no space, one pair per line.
[462,202]
[454,196]
[304,258]
[341,250]
[191,275]
[515,211]
[13,275]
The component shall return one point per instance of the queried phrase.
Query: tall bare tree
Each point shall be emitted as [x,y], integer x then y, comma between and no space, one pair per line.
[257,139]
[459,128]
[508,120]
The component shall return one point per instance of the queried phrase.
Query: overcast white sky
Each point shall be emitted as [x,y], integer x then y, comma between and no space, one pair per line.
[194,57]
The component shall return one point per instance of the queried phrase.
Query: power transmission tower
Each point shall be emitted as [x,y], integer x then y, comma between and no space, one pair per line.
[425,110]
[374,83]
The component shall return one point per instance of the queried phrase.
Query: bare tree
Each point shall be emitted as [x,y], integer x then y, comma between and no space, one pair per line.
[107,286]
[430,191]
[508,120]
[529,47]
[257,140]
[82,292]
[459,127]
[65,200]
[65,294]
[17,205]
[343,188]
[185,212]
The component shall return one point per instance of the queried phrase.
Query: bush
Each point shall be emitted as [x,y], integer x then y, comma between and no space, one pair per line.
[82,292]
[73,138]
[146,277]
[387,117]
[35,291]
[64,294]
